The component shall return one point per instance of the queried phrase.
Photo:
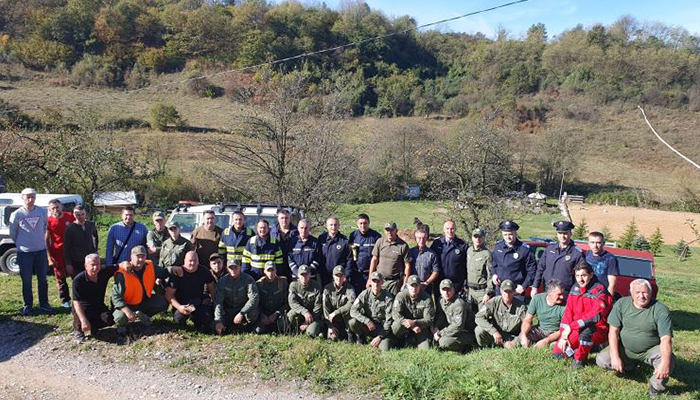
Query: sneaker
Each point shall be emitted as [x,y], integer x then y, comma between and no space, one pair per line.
[144,318]
[27,310]
[46,308]
[577,364]
[79,337]
[65,304]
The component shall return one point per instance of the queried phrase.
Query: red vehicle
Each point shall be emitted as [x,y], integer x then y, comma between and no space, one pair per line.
[632,264]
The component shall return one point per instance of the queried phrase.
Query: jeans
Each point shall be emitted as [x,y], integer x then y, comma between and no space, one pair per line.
[30,263]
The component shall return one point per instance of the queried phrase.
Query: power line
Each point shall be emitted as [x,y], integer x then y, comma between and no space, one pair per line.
[296,57]
[664,142]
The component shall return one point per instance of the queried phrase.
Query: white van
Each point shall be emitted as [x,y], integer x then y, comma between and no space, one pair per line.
[9,202]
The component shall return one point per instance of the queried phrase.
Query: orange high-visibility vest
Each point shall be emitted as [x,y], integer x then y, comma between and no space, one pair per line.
[133,291]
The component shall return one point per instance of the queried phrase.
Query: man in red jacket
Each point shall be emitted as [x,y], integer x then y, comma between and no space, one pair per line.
[584,325]
[56,225]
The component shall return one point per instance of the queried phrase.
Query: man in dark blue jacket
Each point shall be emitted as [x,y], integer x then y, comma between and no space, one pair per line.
[559,259]
[335,250]
[452,253]
[362,242]
[305,250]
[512,260]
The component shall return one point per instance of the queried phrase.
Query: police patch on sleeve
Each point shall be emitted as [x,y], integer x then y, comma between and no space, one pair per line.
[516,255]
[338,246]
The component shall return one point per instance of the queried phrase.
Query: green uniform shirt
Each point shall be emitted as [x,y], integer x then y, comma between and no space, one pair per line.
[420,309]
[368,307]
[640,329]
[173,252]
[548,317]
[495,316]
[339,300]
[155,239]
[479,268]
[392,256]
[239,295]
[273,295]
[454,317]
[306,299]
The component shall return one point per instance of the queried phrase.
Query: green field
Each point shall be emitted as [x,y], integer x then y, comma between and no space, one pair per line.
[354,370]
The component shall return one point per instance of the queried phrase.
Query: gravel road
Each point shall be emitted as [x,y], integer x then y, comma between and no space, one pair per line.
[34,365]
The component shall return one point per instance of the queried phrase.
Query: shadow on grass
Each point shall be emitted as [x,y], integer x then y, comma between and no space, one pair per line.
[685,320]
[18,336]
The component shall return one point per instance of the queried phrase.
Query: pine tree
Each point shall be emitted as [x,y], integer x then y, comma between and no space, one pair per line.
[606,232]
[628,236]
[656,240]
[640,243]
[581,230]
[682,250]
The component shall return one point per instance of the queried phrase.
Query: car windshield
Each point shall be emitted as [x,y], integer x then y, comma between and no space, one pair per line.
[187,221]
[222,220]
[635,267]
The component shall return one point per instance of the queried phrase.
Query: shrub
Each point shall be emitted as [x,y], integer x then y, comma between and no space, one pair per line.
[41,54]
[606,232]
[202,87]
[125,124]
[137,77]
[640,243]
[457,106]
[163,115]
[628,236]
[95,71]
[656,240]
[160,60]
[682,250]
[581,230]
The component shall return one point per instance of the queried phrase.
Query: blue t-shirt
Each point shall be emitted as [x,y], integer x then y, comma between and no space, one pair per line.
[603,265]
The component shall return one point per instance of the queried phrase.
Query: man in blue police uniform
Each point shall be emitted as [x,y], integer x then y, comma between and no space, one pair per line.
[512,260]
[335,250]
[304,251]
[452,253]
[285,232]
[362,242]
[559,259]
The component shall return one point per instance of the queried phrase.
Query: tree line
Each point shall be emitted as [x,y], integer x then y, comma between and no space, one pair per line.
[126,43]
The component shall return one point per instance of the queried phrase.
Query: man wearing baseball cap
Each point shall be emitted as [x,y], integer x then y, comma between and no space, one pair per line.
[28,230]
[558,259]
[413,313]
[156,236]
[175,247]
[371,314]
[338,297]
[305,303]
[236,301]
[454,328]
[479,264]
[274,295]
[391,258]
[498,321]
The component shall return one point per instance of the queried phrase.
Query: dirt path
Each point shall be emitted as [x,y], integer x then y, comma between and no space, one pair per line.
[672,224]
[36,368]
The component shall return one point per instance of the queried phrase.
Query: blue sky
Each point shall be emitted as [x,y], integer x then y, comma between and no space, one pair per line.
[557,15]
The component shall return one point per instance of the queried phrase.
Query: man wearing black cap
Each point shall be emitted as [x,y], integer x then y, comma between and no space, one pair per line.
[452,252]
[558,259]
[512,260]
[414,314]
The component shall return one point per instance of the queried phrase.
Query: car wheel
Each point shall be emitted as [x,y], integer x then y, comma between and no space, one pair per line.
[8,262]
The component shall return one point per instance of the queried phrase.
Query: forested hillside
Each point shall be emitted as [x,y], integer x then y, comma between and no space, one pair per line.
[125,43]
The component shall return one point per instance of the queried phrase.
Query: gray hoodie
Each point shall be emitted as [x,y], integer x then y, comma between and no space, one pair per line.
[28,229]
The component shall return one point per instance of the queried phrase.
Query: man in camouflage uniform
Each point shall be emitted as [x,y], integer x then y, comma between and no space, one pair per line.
[305,303]
[274,291]
[454,328]
[498,322]
[413,313]
[371,314]
[479,273]
[236,301]
[338,297]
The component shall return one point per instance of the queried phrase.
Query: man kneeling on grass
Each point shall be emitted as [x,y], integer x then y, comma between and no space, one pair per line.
[454,328]
[371,314]
[187,296]
[498,321]
[237,300]
[305,303]
[640,332]
[549,309]
[89,310]
[133,294]
[413,315]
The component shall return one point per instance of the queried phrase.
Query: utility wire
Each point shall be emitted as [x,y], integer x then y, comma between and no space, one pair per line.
[296,57]
[664,142]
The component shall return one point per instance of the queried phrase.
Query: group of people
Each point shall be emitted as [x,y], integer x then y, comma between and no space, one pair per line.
[365,288]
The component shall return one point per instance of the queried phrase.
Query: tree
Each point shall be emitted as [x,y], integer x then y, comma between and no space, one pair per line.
[164,115]
[640,243]
[472,170]
[656,240]
[682,250]
[607,234]
[554,155]
[628,236]
[581,230]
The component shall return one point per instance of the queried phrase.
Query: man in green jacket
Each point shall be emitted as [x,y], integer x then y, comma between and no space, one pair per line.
[413,314]
[236,301]
[371,314]
[479,275]
[454,328]
[274,294]
[499,320]
[173,250]
[305,303]
[338,297]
